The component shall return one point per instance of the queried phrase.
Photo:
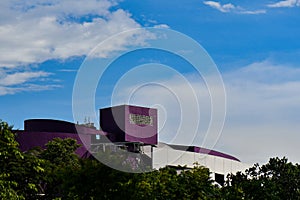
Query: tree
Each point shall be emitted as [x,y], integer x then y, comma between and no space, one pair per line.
[278,179]
[158,184]
[20,172]
[196,183]
[168,183]
[56,172]
[60,162]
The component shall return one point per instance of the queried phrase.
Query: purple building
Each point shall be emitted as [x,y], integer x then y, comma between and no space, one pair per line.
[119,124]
[131,129]
[38,132]
[127,123]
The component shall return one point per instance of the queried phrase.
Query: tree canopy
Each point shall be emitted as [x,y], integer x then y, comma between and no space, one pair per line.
[20,172]
[56,172]
[278,179]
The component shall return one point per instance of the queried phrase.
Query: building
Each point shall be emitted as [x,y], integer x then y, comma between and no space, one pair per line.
[131,130]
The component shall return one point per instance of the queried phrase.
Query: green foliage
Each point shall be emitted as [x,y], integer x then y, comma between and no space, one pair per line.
[9,151]
[60,160]
[97,181]
[60,152]
[168,183]
[278,179]
[159,184]
[120,158]
[20,172]
[6,188]
[197,184]
[28,175]
[93,180]
[57,173]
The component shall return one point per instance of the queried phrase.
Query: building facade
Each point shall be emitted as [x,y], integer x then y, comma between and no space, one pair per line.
[133,129]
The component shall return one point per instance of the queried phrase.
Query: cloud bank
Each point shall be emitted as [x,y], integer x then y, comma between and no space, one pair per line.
[262,117]
[35,31]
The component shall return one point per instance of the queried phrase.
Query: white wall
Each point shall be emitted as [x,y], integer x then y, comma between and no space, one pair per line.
[164,155]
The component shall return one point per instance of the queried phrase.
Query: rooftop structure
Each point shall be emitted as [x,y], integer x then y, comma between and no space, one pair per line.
[127,123]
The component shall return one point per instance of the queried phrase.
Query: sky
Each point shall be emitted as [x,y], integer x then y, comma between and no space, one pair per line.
[255,45]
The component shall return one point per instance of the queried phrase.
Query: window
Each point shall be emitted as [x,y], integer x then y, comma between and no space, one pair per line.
[219,178]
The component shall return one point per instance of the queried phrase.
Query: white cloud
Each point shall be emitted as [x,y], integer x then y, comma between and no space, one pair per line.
[161,26]
[11,83]
[35,31]
[68,70]
[223,8]
[25,88]
[253,12]
[21,77]
[229,7]
[285,3]
[263,110]
[264,72]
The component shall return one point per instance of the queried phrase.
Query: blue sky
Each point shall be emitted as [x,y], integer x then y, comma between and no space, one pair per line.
[255,45]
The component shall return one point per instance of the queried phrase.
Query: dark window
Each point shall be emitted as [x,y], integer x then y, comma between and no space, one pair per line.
[219,178]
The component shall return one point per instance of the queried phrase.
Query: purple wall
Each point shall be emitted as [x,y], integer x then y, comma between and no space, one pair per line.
[51,125]
[39,132]
[119,124]
[112,120]
[141,132]
[28,140]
